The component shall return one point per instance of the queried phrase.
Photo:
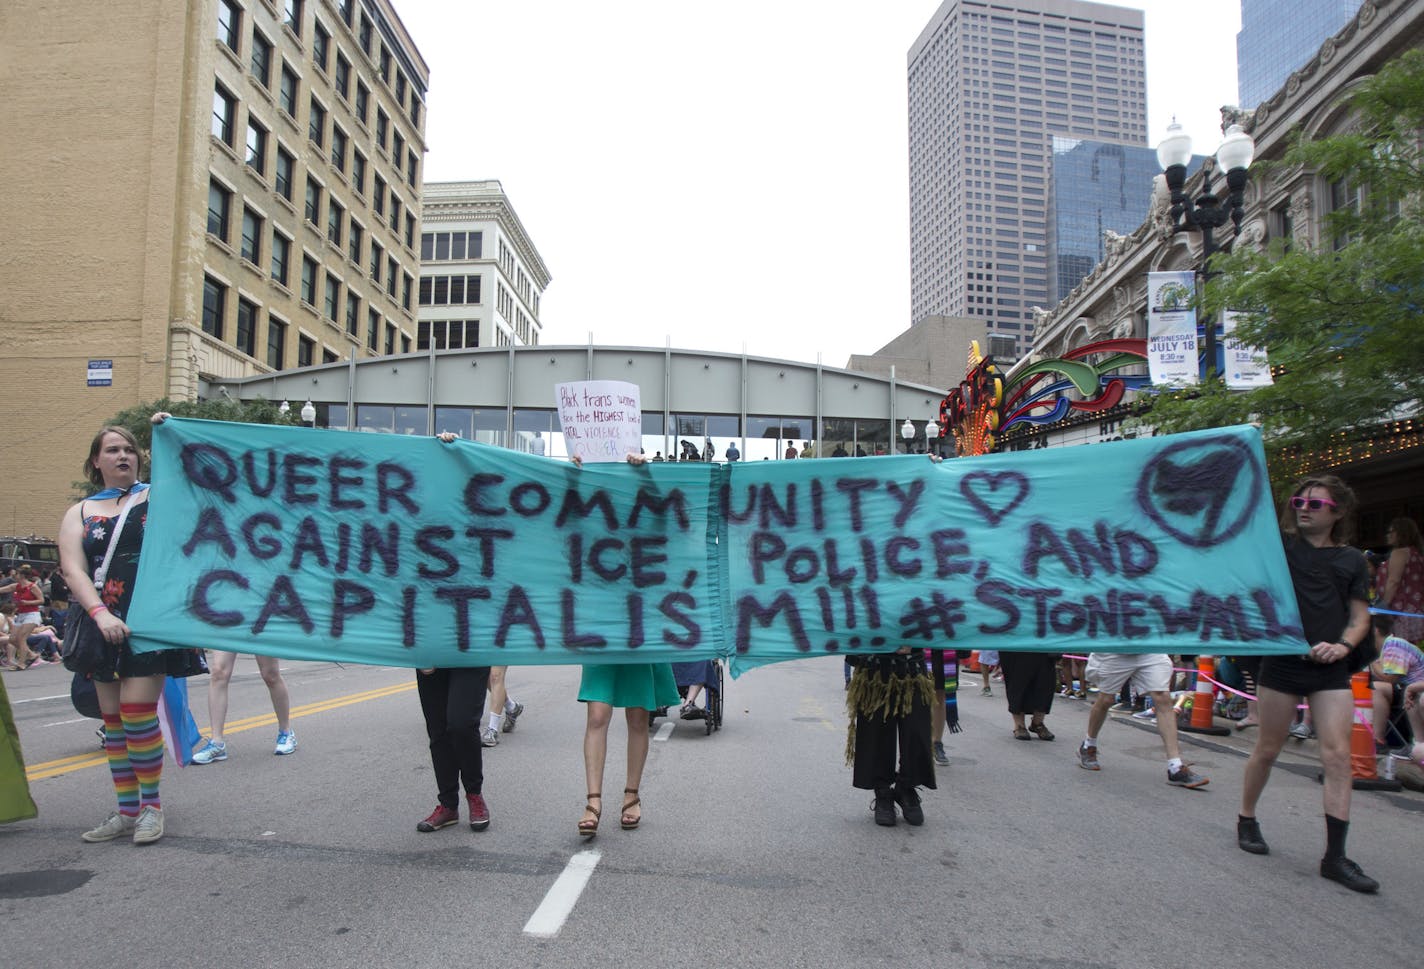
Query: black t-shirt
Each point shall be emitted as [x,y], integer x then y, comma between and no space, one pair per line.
[1325,581]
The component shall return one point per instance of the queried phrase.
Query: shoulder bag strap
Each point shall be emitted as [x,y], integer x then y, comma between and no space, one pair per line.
[103,569]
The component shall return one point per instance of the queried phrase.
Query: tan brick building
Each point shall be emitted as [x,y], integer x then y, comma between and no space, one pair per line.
[216,188]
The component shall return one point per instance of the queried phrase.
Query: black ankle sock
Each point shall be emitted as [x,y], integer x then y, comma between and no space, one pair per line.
[1243,818]
[1335,831]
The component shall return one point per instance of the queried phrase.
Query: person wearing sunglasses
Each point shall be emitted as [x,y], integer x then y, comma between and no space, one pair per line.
[1331,584]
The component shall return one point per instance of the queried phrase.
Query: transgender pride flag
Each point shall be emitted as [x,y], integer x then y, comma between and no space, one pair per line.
[175,719]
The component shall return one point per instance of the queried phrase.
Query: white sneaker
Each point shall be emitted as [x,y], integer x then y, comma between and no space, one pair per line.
[149,826]
[286,742]
[489,737]
[114,826]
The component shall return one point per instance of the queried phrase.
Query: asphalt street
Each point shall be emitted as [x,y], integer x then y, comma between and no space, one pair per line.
[754,850]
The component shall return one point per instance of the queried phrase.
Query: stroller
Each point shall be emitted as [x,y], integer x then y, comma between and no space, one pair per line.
[708,675]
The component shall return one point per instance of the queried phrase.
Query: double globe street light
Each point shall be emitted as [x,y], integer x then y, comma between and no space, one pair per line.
[1207,212]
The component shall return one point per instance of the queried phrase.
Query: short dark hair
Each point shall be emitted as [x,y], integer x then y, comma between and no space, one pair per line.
[1382,623]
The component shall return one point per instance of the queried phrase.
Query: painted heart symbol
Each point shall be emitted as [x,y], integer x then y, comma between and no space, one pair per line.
[994,494]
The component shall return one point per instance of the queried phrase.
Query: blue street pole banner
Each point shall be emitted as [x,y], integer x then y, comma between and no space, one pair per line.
[391,550]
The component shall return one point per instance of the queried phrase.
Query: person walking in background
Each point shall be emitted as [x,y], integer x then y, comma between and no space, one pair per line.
[504,711]
[1331,588]
[1149,673]
[1401,579]
[100,539]
[221,664]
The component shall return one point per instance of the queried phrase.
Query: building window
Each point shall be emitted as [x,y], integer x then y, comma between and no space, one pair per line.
[353,242]
[287,93]
[382,124]
[344,8]
[256,146]
[353,313]
[1344,198]
[358,172]
[385,64]
[313,206]
[316,124]
[246,326]
[328,356]
[363,101]
[341,80]
[251,236]
[229,24]
[292,15]
[400,88]
[333,296]
[395,212]
[309,280]
[224,113]
[373,328]
[390,339]
[410,169]
[397,148]
[306,351]
[276,342]
[321,45]
[376,255]
[405,290]
[334,216]
[364,34]
[414,110]
[214,306]
[338,147]
[286,166]
[392,267]
[378,195]
[262,59]
[219,209]
[410,230]
[281,258]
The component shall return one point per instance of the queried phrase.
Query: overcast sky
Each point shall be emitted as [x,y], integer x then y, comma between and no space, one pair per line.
[730,174]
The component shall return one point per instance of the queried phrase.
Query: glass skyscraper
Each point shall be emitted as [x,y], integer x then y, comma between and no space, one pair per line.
[1278,36]
[1093,186]
[989,85]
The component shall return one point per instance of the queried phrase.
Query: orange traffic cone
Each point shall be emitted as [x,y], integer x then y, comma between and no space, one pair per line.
[1203,700]
[1364,776]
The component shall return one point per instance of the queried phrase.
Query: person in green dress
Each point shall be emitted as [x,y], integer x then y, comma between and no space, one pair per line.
[638,688]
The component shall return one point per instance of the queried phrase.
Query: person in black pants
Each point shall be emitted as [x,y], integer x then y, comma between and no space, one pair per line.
[889,701]
[453,702]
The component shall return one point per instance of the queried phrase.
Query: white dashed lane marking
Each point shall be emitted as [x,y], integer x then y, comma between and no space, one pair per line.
[554,910]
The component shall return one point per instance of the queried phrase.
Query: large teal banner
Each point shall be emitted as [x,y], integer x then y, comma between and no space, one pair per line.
[332,545]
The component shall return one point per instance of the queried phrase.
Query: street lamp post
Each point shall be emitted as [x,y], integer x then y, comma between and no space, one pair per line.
[1207,212]
[931,435]
[309,414]
[907,431]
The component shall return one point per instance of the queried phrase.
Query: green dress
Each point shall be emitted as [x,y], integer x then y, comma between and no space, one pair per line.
[646,685]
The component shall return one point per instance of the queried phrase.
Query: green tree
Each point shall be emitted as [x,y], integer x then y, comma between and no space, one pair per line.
[1342,321]
[138,420]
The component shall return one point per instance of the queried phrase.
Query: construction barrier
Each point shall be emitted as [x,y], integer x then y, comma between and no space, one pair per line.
[1204,700]
[1363,773]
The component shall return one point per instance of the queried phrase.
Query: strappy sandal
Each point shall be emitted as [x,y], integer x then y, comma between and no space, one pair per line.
[1040,731]
[1020,733]
[630,825]
[588,827]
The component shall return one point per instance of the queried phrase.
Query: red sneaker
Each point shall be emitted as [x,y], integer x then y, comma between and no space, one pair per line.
[479,812]
[441,817]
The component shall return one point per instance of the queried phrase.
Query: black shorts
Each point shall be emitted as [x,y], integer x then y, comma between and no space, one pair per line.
[1302,677]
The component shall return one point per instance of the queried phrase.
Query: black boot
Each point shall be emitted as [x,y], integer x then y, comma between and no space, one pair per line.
[885,807]
[1248,836]
[909,804]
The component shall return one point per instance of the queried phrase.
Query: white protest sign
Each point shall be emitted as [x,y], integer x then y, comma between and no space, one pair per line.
[602,419]
[1171,328]
[1246,366]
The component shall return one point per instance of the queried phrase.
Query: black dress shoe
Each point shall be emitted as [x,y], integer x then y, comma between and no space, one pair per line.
[909,802]
[1347,873]
[1248,836]
[885,807]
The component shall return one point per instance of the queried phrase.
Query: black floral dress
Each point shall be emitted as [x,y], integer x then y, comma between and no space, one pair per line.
[117,595]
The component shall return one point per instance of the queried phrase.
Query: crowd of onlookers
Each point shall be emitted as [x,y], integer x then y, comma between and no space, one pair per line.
[33,604]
